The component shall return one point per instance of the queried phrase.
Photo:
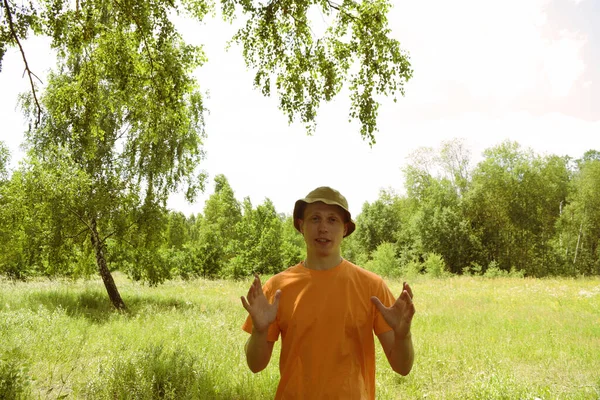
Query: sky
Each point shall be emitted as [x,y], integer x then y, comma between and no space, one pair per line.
[485,71]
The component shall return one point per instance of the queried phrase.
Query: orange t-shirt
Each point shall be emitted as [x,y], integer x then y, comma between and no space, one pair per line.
[326,320]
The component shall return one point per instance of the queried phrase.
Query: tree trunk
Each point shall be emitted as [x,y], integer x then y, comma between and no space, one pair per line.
[109,283]
[578,240]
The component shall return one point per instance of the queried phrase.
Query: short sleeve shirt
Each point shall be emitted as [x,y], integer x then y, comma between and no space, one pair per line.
[326,321]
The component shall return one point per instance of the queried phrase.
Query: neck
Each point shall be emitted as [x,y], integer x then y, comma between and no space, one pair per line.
[322,263]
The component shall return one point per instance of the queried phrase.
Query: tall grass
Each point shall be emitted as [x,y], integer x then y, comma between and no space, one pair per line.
[475,338]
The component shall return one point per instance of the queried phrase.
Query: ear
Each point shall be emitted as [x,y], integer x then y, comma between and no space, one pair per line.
[301,225]
[345,229]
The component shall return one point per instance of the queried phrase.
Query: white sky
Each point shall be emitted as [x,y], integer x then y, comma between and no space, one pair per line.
[485,71]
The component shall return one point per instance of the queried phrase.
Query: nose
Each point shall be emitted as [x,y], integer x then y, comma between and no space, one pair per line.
[322,226]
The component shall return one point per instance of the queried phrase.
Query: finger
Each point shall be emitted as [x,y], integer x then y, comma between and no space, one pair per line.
[378,304]
[254,287]
[408,289]
[405,296]
[250,290]
[258,286]
[253,293]
[245,304]
[410,306]
[276,299]
[410,312]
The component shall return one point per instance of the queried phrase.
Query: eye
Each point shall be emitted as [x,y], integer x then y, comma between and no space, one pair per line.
[332,219]
[315,218]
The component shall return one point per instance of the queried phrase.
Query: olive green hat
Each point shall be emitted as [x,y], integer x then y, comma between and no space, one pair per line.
[325,195]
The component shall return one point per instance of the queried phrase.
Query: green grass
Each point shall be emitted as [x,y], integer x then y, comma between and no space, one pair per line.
[475,338]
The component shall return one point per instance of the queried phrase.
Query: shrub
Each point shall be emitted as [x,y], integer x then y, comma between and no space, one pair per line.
[236,268]
[516,273]
[14,383]
[413,269]
[434,265]
[473,269]
[150,374]
[384,261]
[493,271]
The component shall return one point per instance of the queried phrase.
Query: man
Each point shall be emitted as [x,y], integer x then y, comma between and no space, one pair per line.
[326,310]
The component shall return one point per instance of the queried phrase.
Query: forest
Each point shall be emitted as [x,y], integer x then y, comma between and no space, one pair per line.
[119,126]
[514,212]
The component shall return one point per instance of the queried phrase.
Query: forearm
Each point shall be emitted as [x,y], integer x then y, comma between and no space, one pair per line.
[258,351]
[402,355]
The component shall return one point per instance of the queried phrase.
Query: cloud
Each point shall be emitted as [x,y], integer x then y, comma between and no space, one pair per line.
[486,72]
[563,64]
[470,54]
[13,81]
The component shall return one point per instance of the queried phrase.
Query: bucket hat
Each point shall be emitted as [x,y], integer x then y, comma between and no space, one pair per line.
[325,195]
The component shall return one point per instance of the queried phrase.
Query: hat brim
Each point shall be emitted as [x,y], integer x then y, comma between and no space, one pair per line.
[301,205]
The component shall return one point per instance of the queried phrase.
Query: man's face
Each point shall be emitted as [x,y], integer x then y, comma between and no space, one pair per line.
[323,228]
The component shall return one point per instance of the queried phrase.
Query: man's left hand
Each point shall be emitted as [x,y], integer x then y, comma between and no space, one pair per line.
[399,316]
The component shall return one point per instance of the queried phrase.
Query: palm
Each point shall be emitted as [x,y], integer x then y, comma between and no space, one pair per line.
[261,311]
[399,315]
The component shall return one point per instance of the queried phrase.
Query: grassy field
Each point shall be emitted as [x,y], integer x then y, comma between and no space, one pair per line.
[475,338]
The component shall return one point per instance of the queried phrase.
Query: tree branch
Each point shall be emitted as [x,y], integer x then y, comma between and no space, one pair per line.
[79,217]
[333,5]
[125,131]
[27,69]
[144,39]
[337,7]
[128,242]
[75,236]
[113,232]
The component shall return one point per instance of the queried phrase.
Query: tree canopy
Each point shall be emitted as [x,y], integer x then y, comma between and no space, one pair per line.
[120,123]
[520,213]
[138,53]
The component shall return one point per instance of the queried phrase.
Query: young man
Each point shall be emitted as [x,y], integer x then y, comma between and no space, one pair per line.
[326,310]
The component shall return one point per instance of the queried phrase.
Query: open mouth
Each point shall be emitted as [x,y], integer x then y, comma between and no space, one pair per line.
[321,240]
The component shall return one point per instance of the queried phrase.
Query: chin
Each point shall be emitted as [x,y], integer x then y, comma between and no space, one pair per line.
[325,253]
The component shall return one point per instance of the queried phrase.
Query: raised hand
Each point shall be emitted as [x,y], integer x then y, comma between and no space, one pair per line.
[399,316]
[261,311]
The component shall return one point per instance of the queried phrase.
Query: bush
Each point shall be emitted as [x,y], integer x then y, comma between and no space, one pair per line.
[413,269]
[236,268]
[150,374]
[435,266]
[473,269]
[14,383]
[360,259]
[179,262]
[384,261]
[516,273]
[493,271]
[291,253]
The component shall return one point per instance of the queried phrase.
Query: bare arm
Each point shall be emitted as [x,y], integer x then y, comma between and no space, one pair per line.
[399,351]
[258,348]
[258,351]
[397,343]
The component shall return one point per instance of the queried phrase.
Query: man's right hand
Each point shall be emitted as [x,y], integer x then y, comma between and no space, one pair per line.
[261,311]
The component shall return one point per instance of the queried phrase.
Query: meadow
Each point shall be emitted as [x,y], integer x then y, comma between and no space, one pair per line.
[475,338]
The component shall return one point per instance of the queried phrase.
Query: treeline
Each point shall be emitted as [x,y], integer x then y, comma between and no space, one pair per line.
[514,212]
[40,236]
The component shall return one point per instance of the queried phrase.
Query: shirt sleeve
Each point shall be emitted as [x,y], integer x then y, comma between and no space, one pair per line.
[386,296]
[273,332]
